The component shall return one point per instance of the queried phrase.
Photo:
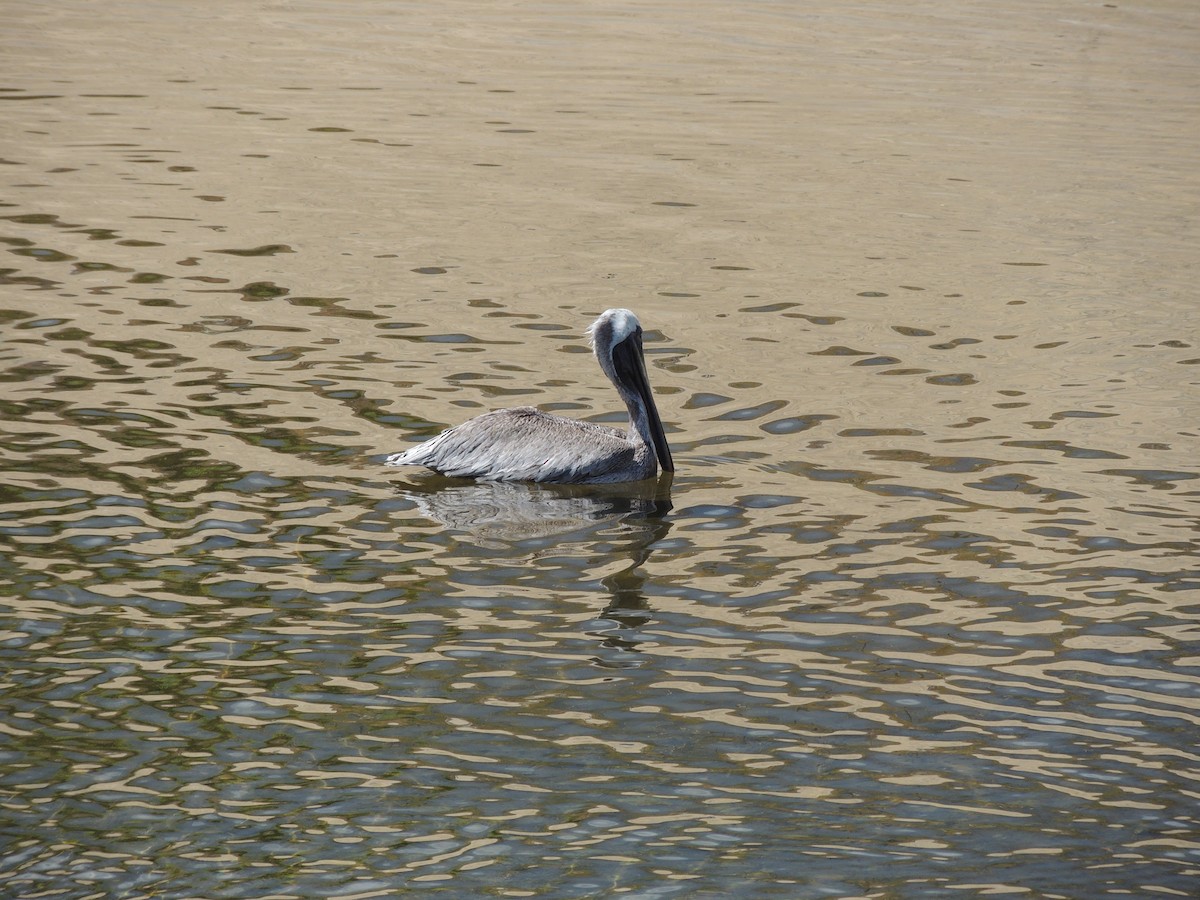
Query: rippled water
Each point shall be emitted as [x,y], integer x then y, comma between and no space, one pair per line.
[916,617]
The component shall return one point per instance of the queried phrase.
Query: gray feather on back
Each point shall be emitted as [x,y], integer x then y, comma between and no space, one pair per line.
[524,444]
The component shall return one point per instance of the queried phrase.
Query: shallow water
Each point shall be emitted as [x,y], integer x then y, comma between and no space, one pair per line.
[915,617]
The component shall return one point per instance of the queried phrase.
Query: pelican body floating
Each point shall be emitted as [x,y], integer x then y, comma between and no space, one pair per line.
[526,444]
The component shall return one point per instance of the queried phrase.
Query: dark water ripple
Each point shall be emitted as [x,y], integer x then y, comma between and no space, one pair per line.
[309,673]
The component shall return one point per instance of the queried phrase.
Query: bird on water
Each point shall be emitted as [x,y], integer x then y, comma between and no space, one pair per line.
[526,444]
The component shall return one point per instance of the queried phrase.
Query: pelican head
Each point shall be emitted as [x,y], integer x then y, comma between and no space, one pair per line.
[616,338]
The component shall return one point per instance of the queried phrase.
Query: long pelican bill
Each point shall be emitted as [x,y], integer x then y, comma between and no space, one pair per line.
[631,369]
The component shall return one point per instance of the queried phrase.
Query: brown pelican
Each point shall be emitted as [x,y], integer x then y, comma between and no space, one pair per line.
[525,444]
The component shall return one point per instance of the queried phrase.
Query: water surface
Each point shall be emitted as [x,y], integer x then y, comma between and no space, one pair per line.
[916,616]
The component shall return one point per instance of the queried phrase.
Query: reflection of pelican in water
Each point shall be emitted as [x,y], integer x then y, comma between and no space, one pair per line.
[493,511]
[556,538]
[525,444]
